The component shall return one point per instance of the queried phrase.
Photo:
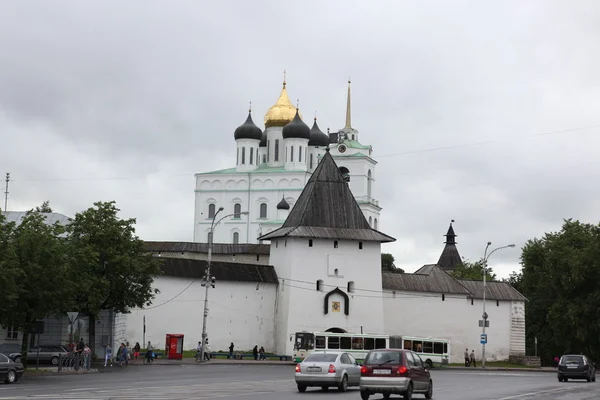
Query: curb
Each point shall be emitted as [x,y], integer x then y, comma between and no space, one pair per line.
[506,369]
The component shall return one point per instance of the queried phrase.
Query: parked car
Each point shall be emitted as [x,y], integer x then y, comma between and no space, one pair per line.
[12,351]
[10,371]
[575,366]
[48,353]
[394,371]
[327,369]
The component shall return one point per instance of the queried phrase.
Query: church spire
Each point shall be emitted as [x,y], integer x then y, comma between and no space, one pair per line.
[348,109]
[450,235]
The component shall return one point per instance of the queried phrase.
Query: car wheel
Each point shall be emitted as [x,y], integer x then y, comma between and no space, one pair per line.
[386,395]
[325,388]
[344,385]
[429,364]
[54,360]
[560,378]
[565,379]
[364,395]
[589,378]
[409,392]
[301,388]
[11,377]
[18,359]
[429,393]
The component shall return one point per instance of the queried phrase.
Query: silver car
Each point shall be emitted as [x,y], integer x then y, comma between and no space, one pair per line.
[328,369]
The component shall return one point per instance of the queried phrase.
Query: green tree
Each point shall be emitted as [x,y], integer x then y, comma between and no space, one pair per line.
[44,208]
[472,271]
[114,272]
[387,264]
[34,274]
[560,278]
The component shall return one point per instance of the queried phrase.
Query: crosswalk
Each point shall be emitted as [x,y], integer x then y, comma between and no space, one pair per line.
[188,392]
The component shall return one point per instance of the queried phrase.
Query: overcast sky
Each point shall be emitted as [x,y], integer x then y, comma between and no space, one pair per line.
[485,112]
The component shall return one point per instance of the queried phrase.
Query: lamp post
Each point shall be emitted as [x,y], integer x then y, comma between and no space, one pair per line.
[207,280]
[486,256]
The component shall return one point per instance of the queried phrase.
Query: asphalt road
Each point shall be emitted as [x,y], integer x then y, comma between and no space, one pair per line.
[252,382]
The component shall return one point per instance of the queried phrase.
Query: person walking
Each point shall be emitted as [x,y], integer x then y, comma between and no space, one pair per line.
[231,357]
[108,356]
[136,352]
[149,353]
[255,352]
[467,358]
[473,359]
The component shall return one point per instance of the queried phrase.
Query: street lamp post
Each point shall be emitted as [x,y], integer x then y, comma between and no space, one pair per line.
[486,256]
[207,280]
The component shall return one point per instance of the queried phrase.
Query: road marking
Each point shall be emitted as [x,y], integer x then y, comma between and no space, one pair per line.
[563,389]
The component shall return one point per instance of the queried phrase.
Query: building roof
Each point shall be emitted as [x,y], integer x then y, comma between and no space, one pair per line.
[51,218]
[218,248]
[495,290]
[429,278]
[296,129]
[450,258]
[326,208]
[248,130]
[222,271]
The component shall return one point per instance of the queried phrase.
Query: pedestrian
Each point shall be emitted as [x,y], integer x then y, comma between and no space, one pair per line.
[87,357]
[473,358]
[136,352]
[261,353]
[129,352]
[231,351]
[255,352]
[466,357]
[206,350]
[198,351]
[108,355]
[149,352]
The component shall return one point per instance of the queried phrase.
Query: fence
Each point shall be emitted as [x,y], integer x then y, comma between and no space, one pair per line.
[74,361]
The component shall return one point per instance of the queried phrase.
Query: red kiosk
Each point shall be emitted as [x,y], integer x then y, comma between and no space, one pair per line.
[174,346]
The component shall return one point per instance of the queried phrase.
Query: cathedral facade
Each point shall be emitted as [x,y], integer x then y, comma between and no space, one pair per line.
[272,167]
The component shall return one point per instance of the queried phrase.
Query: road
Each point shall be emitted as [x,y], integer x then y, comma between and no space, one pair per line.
[252,382]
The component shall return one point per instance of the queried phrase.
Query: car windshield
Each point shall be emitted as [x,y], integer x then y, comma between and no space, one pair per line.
[321,357]
[572,359]
[383,357]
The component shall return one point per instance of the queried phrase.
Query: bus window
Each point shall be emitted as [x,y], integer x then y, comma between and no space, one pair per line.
[428,347]
[417,346]
[408,345]
[445,348]
[369,343]
[333,342]
[380,343]
[304,340]
[346,343]
[320,342]
[357,343]
[438,348]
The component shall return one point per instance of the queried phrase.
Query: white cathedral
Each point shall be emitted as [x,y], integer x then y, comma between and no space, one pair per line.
[272,168]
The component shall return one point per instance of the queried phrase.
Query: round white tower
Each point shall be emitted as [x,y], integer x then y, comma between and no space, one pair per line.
[247,137]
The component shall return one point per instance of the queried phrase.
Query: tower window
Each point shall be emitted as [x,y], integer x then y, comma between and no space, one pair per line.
[268,150]
[360,245]
[497,303]
[335,244]
[243,155]
[276,150]
[263,210]
[237,210]
[319,285]
[346,173]
[443,297]
[299,154]
[237,157]
[311,161]
[310,243]
[264,158]
[258,257]
[211,210]
[471,301]
[375,224]
[369,180]
[251,156]
[236,237]
[292,154]
[351,287]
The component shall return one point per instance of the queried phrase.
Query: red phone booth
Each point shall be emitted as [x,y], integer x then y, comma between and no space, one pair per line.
[174,346]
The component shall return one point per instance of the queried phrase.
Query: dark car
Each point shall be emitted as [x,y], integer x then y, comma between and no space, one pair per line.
[575,366]
[10,371]
[13,351]
[394,371]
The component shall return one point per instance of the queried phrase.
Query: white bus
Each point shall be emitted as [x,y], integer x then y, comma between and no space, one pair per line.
[432,351]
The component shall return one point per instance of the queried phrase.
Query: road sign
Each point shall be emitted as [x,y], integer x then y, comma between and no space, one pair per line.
[72,316]
[487,323]
[483,338]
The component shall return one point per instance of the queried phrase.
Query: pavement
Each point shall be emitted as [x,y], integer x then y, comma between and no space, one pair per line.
[276,382]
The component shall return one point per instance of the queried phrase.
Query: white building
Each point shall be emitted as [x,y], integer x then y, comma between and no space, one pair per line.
[275,164]
[323,273]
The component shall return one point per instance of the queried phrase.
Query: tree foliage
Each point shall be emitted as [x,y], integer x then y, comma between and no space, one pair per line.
[472,271]
[560,278]
[387,264]
[114,272]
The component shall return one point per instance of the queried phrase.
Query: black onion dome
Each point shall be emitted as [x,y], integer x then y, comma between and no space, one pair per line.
[296,129]
[317,137]
[283,205]
[248,130]
[263,140]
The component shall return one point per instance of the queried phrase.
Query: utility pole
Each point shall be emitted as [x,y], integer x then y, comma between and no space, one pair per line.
[6,191]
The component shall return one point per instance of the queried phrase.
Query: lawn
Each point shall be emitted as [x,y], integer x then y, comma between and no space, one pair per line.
[495,364]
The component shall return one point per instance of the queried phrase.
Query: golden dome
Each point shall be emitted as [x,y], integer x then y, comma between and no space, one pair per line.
[282,112]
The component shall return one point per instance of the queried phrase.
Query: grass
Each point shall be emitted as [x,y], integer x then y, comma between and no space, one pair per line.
[495,364]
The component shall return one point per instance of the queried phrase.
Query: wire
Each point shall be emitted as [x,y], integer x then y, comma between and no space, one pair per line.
[168,301]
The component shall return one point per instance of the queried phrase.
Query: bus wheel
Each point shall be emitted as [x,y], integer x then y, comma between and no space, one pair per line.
[429,364]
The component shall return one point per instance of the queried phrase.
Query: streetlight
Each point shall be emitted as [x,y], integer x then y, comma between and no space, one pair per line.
[486,256]
[207,280]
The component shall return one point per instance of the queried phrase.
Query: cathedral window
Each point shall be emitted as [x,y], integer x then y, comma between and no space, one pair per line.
[319,285]
[335,244]
[236,237]
[360,245]
[375,224]
[243,155]
[346,173]
[276,150]
[263,210]
[443,297]
[299,154]
[251,156]
[310,243]
[237,157]
[292,154]
[237,210]
[371,222]
[351,287]
[311,161]
[211,210]
[268,150]
[369,179]
[264,158]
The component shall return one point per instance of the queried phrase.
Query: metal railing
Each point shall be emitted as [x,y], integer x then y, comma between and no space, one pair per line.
[74,362]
